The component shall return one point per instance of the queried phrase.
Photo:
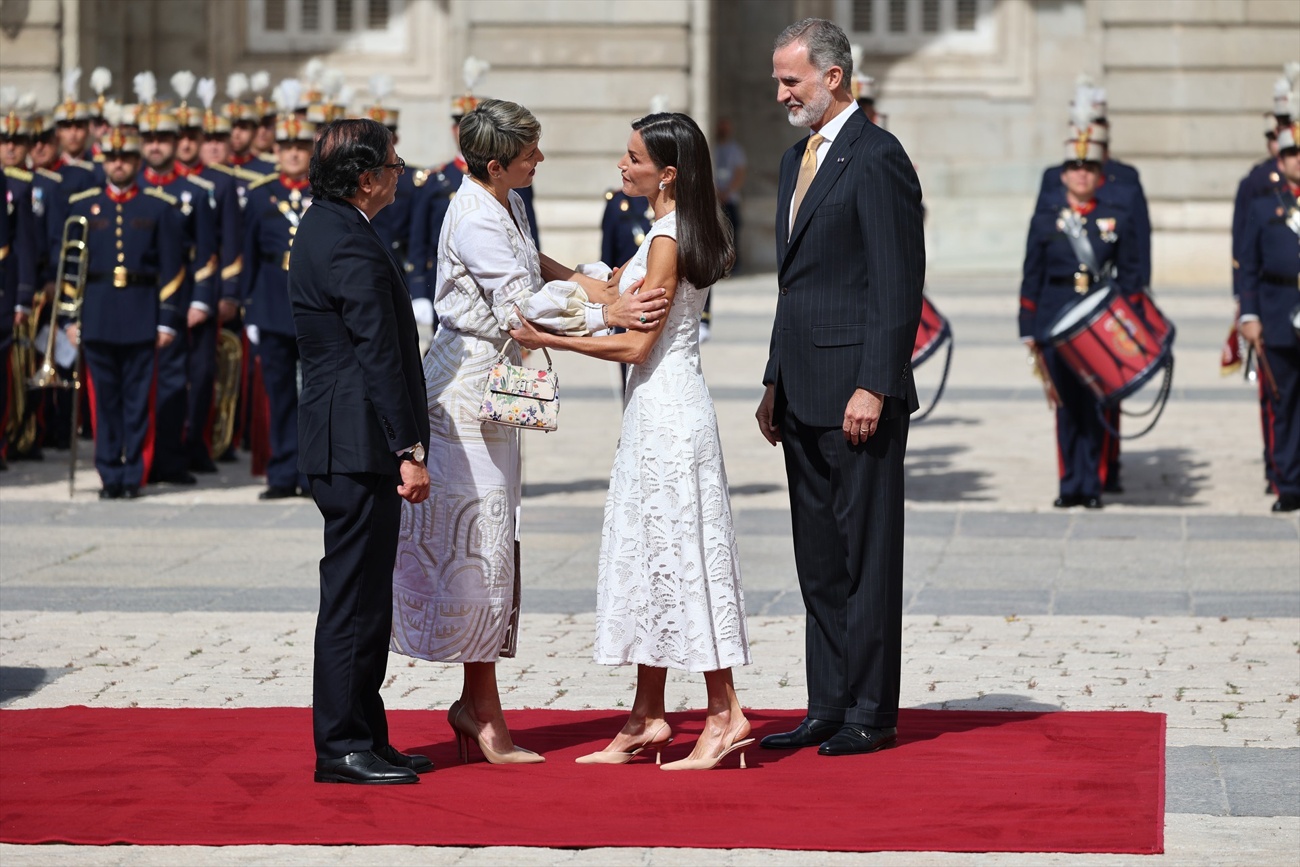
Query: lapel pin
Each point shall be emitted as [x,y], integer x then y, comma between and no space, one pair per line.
[840,160]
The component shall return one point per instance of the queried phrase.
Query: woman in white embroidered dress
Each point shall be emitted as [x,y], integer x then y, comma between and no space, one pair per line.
[668,592]
[456,579]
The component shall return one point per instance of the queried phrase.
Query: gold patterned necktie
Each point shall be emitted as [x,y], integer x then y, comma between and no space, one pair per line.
[807,169]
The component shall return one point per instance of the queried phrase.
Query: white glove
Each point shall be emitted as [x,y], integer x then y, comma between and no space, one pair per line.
[253,334]
[423,309]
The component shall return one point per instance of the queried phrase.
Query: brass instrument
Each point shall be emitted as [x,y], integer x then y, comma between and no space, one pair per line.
[20,424]
[225,394]
[73,266]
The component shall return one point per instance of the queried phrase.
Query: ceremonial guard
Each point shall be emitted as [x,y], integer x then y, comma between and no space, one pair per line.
[1270,316]
[275,207]
[206,315]
[1071,252]
[393,223]
[101,79]
[247,168]
[623,227]
[1121,186]
[264,111]
[21,244]
[72,122]
[132,307]
[194,199]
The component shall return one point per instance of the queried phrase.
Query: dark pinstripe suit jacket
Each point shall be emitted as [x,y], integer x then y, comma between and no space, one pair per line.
[850,275]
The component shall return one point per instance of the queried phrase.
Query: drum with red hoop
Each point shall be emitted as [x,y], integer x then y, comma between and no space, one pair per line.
[932,333]
[1112,349]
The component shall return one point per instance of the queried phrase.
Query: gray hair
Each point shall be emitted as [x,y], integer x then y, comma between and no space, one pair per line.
[496,130]
[826,43]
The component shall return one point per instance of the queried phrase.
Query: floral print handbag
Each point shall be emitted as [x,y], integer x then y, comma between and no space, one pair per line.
[522,397]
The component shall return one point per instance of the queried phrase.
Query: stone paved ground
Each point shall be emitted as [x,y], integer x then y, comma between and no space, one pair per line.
[1182,596]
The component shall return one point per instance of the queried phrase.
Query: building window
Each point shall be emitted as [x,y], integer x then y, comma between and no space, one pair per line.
[295,26]
[908,26]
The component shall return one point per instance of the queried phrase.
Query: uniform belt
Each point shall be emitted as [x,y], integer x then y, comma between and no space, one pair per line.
[1068,281]
[281,259]
[121,278]
[1280,279]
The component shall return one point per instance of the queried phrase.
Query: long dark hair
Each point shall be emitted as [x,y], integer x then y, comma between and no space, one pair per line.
[705,248]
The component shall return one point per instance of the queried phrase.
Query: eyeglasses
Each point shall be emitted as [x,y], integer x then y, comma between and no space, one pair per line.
[400,165]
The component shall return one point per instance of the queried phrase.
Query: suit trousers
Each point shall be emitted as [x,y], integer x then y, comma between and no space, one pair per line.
[170,457]
[362,514]
[203,372]
[1080,436]
[1282,420]
[846,509]
[279,354]
[122,375]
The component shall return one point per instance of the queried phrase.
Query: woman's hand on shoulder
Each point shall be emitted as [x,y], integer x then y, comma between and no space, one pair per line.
[638,309]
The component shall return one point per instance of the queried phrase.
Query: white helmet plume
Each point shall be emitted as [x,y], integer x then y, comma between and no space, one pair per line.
[236,85]
[473,71]
[146,87]
[381,86]
[260,81]
[331,84]
[113,112]
[659,103]
[8,98]
[183,84]
[1081,108]
[101,79]
[27,102]
[312,72]
[286,96]
[206,91]
[855,51]
[71,82]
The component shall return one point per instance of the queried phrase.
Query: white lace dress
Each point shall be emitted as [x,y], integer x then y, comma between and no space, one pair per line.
[668,592]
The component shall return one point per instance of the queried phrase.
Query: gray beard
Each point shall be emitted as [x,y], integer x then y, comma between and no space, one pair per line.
[810,112]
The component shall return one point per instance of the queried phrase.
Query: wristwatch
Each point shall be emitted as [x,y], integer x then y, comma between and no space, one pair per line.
[415,455]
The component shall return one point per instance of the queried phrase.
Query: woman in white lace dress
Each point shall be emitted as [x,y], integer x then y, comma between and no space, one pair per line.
[668,592]
[456,579]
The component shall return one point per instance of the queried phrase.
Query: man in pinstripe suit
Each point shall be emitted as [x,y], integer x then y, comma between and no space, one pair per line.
[851,256]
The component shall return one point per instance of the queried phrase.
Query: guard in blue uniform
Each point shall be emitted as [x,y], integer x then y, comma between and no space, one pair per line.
[623,227]
[17,277]
[434,191]
[275,207]
[1054,280]
[393,223]
[207,311]
[132,307]
[195,202]
[1270,316]
[72,121]
[1121,187]
[246,167]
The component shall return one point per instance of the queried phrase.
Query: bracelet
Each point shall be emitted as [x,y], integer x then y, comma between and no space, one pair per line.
[604,317]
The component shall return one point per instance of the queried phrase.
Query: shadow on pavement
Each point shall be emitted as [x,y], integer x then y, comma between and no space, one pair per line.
[1162,477]
[993,701]
[16,682]
[930,477]
[541,489]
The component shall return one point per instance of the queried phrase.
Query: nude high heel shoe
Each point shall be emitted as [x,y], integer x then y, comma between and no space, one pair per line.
[704,764]
[614,757]
[463,724]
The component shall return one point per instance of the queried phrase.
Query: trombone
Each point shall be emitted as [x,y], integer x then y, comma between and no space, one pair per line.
[70,291]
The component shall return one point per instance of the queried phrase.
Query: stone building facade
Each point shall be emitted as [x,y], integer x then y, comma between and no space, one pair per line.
[977,90]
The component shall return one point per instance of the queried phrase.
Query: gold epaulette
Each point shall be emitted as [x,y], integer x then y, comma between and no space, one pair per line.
[201,183]
[609,195]
[52,175]
[81,164]
[159,193]
[245,175]
[225,170]
[420,177]
[262,181]
[18,174]
[85,194]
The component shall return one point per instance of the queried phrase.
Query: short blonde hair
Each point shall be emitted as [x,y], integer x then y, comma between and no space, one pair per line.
[496,130]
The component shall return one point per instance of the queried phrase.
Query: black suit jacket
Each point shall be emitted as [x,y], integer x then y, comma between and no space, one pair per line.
[850,274]
[363,387]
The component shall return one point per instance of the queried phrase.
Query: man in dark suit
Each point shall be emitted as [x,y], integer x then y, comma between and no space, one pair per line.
[365,428]
[851,256]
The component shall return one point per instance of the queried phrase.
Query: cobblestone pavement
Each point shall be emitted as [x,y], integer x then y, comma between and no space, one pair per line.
[1181,597]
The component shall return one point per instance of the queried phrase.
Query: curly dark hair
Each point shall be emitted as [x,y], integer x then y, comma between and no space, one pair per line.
[344,151]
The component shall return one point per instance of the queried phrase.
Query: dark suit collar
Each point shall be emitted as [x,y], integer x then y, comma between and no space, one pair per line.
[837,159]
[351,212]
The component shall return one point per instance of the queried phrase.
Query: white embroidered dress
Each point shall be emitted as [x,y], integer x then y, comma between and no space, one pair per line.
[668,592]
[456,579]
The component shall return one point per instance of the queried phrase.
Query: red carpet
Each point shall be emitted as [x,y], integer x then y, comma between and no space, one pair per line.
[959,781]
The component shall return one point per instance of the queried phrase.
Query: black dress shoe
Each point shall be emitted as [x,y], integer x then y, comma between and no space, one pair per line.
[1112,488]
[1066,501]
[202,464]
[853,739]
[809,733]
[1091,502]
[419,764]
[229,456]
[364,769]
[180,477]
[131,492]
[1287,503]
[111,492]
[278,492]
